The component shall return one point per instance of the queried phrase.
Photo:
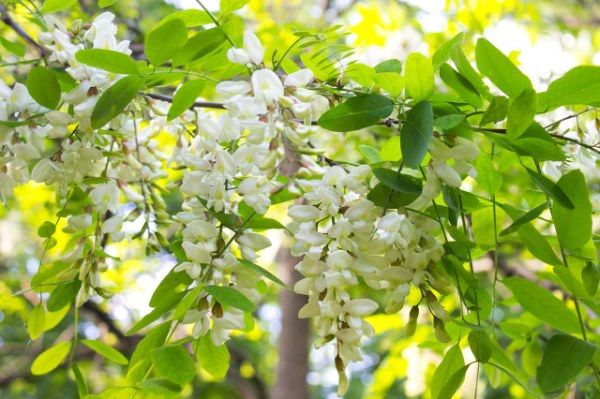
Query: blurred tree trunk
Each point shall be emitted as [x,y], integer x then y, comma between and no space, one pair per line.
[292,369]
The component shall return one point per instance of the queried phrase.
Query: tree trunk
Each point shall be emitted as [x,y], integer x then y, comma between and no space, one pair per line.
[294,335]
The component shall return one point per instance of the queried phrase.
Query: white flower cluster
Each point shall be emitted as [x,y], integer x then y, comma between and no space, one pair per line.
[235,157]
[120,160]
[342,237]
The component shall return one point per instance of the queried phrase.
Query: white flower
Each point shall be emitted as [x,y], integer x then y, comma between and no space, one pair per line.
[299,78]
[233,88]
[304,213]
[105,196]
[44,171]
[360,307]
[200,252]
[238,56]
[253,47]
[112,224]
[254,241]
[266,86]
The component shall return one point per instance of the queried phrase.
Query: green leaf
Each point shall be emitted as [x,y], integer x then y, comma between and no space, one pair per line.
[16,48]
[452,362]
[447,122]
[154,338]
[57,5]
[200,45]
[163,42]
[82,388]
[496,111]
[213,359]
[173,283]
[165,305]
[573,226]
[580,85]
[46,229]
[390,150]
[159,388]
[453,383]
[259,222]
[398,182]
[63,295]
[108,60]
[466,69]
[43,86]
[542,304]
[53,318]
[36,321]
[487,176]
[535,242]
[106,3]
[229,6]
[520,113]
[461,85]
[370,153]
[191,17]
[499,69]
[386,197]
[391,82]
[51,358]
[114,100]
[527,217]
[550,188]
[564,358]
[357,113]
[419,77]
[539,149]
[442,54]
[480,345]
[262,271]
[416,134]
[392,65]
[185,97]
[590,275]
[174,363]
[230,297]
[106,351]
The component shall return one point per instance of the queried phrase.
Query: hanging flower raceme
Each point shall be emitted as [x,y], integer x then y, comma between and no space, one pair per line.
[232,167]
[332,233]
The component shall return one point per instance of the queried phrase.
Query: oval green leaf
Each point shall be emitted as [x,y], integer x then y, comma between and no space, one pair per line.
[106,351]
[108,60]
[43,86]
[542,304]
[230,297]
[416,134]
[51,358]
[564,358]
[357,113]
[114,100]
[165,41]
[174,363]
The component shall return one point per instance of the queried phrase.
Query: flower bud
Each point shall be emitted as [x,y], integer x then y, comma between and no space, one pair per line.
[440,331]
[436,308]
[411,326]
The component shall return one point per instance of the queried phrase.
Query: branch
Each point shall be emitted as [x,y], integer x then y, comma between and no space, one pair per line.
[7,19]
[555,135]
[197,104]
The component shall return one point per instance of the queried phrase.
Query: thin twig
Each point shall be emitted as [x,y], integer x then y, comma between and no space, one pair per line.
[7,19]
[197,104]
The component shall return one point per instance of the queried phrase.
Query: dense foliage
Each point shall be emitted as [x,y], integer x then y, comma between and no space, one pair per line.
[206,150]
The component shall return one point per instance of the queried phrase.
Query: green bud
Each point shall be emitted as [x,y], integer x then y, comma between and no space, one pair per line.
[440,331]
